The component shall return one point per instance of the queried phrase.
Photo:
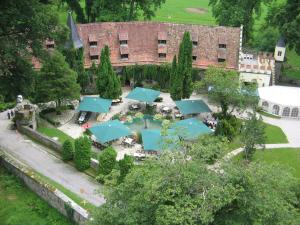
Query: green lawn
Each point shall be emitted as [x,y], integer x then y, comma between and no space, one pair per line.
[54,132]
[289,157]
[19,205]
[274,135]
[179,11]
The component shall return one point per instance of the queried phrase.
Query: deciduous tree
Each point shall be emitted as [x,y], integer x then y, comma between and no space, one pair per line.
[56,81]
[107,160]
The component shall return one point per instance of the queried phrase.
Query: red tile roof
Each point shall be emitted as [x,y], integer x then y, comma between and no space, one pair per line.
[143,39]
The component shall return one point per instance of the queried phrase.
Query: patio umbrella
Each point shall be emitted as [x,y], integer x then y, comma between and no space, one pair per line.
[187,107]
[190,129]
[143,95]
[109,131]
[154,140]
[94,104]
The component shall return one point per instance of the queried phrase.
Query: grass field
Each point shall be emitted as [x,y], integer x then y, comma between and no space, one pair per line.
[185,11]
[289,157]
[274,135]
[20,206]
[54,132]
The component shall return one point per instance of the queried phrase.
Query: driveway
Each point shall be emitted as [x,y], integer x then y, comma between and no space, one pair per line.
[37,157]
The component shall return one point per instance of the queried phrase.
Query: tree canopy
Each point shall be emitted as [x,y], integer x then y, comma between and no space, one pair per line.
[286,17]
[175,190]
[225,90]
[237,12]
[24,26]
[56,81]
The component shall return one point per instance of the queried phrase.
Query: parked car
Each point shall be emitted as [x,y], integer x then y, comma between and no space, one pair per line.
[83,117]
[116,101]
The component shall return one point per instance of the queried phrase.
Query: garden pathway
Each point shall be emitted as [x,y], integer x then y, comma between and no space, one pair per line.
[38,158]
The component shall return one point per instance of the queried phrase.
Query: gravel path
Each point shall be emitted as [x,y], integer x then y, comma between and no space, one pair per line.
[37,157]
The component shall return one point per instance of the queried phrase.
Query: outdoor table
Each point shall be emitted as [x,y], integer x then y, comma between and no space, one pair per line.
[166,109]
[139,155]
[178,115]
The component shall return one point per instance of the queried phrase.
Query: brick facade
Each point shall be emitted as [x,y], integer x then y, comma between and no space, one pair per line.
[156,43]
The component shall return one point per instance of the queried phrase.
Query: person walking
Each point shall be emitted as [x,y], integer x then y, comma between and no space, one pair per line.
[8,114]
[12,113]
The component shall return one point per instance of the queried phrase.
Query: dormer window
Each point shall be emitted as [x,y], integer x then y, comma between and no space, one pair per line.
[124,56]
[162,42]
[93,44]
[195,40]
[195,43]
[162,38]
[123,42]
[222,46]
[221,60]
[194,57]
[162,55]
[50,46]
[93,40]
[94,57]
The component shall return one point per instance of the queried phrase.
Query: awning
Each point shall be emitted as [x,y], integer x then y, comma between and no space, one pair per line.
[109,131]
[143,95]
[94,104]
[154,140]
[187,107]
[190,129]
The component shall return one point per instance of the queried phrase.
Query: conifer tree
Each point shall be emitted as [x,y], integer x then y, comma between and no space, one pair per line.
[176,82]
[185,65]
[108,84]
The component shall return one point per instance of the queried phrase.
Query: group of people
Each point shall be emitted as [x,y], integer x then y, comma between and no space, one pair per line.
[10,113]
[211,123]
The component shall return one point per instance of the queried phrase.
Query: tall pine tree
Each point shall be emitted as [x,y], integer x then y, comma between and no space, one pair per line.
[108,83]
[181,81]
[176,82]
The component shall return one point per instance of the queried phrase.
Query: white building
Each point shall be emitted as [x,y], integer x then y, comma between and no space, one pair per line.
[280,50]
[256,68]
[280,100]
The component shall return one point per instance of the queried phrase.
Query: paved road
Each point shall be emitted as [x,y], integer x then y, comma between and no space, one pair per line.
[36,157]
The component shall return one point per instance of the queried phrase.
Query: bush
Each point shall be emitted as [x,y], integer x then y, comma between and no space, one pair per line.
[125,166]
[4,106]
[107,160]
[82,154]
[224,128]
[43,115]
[67,151]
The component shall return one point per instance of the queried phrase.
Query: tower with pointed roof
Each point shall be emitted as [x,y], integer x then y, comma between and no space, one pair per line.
[74,39]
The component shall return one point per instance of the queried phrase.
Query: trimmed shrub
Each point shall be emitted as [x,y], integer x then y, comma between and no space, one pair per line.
[125,166]
[107,160]
[67,151]
[82,154]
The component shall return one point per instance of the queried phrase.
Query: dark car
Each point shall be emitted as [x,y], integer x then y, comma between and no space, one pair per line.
[84,117]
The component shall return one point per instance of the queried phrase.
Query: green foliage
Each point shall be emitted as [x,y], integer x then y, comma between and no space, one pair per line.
[175,190]
[74,58]
[108,83]
[74,5]
[107,160]
[244,12]
[25,25]
[125,165]
[56,81]
[181,85]
[82,154]
[209,148]
[121,10]
[225,90]
[266,39]
[5,106]
[224,128]
[285,16]
[19,205]
[67,151]
[253,134]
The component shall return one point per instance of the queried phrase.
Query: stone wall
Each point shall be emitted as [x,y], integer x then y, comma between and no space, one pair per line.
[48,142]
[50,194]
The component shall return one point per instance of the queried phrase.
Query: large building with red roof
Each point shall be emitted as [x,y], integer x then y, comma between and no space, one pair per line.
[133,43]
